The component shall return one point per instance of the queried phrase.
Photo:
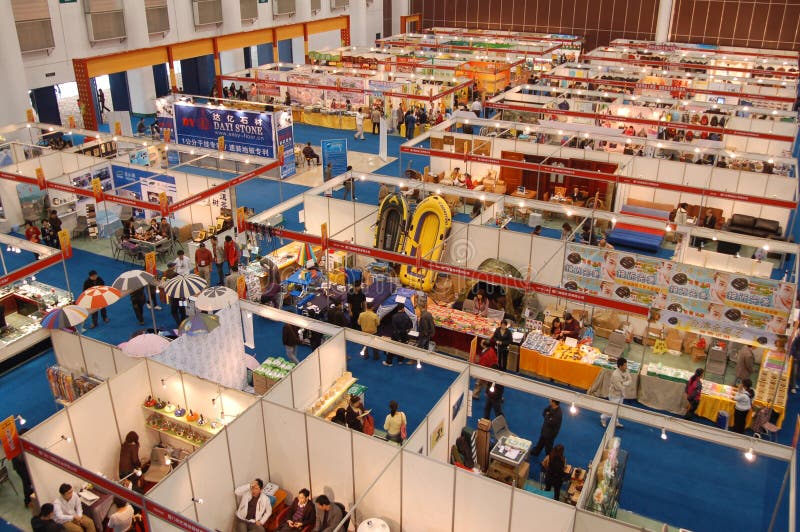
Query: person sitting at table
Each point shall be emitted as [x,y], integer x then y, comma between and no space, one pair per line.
[301,513]
[309,153]
[577,195]
[556,327]
[50,237]
[553,467]
[481,303]
[154,225]
[164,229]
[44,521]
[128,229]
[328,514]
[32,233]
[254,507]
[120,517]
[571,327]
[69,512]
[354,413]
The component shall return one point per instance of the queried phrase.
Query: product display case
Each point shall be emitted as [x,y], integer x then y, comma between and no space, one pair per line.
[336,397]
[610,474]
[24,305]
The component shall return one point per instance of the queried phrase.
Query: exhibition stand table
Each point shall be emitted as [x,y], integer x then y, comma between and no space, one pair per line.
[456,328]
[96,505]
[509,460]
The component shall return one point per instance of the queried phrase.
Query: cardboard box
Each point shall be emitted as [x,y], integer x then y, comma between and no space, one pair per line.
[522,474]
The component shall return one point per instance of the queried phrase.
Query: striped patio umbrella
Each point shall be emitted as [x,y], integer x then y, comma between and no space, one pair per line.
[133,280]
[184,286]
[64,317]
[98,297]
[199,324]
[215,298]
[306,254]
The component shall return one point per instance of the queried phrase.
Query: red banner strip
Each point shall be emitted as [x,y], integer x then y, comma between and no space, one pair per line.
[29,269]
[513,282]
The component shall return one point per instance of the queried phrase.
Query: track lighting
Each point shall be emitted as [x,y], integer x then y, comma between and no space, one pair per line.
[573,409]
[198,501]
[363,351]
[21,419]
[491,388]
[419,364]
[663,434]
[750,455]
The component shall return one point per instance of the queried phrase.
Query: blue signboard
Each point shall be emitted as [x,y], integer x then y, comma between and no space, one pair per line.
[141,184]
[245,132]
[334,151]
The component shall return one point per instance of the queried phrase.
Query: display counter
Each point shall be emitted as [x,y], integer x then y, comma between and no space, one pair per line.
[189,427]
[662,388]
[456,329]
[285,258]
[334,398]
[579,366]
[331,120]
[24,306]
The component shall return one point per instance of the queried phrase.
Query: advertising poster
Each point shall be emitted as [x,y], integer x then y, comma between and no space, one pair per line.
[143,185]
[246,132]
[10,438]
[334,151]
[305,95]
[139,157]
[285,135]
[268,89]
[356,90]
[721,304]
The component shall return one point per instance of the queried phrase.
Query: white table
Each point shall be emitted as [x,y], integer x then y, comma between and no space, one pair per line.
[373,524]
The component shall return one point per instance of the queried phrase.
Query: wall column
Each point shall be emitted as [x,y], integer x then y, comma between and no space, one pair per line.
[664,20]
[14,89]
[141,82]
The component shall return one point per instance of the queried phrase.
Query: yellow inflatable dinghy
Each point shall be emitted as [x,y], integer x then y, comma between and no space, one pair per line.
[426,237]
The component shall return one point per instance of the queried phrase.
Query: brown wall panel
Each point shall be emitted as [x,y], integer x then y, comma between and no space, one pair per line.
[598,21]
[751,23]
[748,23]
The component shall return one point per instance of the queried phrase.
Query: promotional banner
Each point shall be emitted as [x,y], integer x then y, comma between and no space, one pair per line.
[334,151]
[246,132]
[10,438]
[726,305]
[285,134]
[143,185]
[65,243]
[40,179]
[150,263]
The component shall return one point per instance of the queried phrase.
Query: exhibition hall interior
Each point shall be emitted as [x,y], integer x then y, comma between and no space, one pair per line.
[399,265]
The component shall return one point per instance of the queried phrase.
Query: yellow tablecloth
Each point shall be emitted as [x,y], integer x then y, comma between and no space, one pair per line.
[710,405]
[571,372]
[334,121]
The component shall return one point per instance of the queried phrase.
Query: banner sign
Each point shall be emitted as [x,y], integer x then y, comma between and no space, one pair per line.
[65,243]
[334,151]
[245,132]
[150,263]
[9,437]
[285,135]
[726,305]
[144,185]
[40,179]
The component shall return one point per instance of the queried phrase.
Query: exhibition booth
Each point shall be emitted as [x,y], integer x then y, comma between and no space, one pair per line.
[330,97]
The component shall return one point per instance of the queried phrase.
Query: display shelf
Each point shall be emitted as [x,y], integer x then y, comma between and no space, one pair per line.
[170,416]
[460,321]
[332,397]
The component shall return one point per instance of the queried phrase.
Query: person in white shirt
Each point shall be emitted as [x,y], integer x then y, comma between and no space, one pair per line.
[69,512]
[254,507]
[477,107]
[182,264]
[620,378]
[120,516]
[359,124]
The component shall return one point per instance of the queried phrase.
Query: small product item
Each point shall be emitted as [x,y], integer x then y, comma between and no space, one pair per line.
[201,421]
[180,412]
[159,404]
[191,416]
[169,407]
[150,402]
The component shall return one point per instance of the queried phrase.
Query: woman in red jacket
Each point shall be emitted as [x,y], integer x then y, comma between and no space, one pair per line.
[231,252]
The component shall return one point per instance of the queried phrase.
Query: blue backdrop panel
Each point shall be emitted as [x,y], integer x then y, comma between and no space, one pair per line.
[46,104]
[285,51]
[161,79]
[120,95]
[264,53]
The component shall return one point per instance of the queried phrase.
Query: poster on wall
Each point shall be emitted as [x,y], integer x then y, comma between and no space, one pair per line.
[727,305]
[285,135]
[334,151]
[246,132]
[143,185]
[139,157]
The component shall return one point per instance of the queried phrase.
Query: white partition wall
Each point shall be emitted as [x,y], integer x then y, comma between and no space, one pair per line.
[548,514]
[96,434]
[286,447]
[438,422]
[55,435]
[67,347]
[212,481]
[128,410]
[175,492]
[332,360]
[306,385]
[331,476]
[459,394]
[427,494]
[481,503]
[377,474]
[246,438]
[98,357]
[591,522]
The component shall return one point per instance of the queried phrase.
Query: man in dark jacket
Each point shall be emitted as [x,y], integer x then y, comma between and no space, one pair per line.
[502,339]
[401,324]
[550,427]
[137,302]
[336,315]
[426,327]
[95,280]
[357,302]
[494,399]
[301,513]
[44,522]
